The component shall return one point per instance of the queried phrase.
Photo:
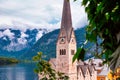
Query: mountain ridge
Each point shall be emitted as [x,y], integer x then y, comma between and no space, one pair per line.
[47,44]
[14,42]
[23,44]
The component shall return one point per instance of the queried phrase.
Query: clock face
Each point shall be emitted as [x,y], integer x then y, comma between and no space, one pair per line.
[62,40]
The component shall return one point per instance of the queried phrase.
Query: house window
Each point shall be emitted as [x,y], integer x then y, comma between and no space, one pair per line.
[72,52]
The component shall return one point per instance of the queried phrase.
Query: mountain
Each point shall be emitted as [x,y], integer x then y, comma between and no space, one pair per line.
[47,44]
[24,44]
[15,42]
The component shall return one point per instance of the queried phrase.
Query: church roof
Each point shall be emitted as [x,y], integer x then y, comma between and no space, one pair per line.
[66,22]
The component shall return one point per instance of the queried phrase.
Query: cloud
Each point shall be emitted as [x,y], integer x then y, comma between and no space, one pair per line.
[39,13]
[23,35]
[15,46]
[22,41]
[39,35]
[8,33]
[1,34]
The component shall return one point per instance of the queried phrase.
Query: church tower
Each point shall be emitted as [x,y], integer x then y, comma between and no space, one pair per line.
[66,44]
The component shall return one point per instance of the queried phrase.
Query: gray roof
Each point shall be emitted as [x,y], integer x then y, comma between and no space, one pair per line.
[85,67]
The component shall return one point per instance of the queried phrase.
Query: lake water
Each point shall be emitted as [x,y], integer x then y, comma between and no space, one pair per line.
[21,71]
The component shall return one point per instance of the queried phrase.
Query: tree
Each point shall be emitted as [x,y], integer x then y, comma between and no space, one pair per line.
[104,23]
[45,71]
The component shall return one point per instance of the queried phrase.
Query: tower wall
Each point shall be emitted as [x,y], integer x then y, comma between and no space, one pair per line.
[64,62]
[66,45]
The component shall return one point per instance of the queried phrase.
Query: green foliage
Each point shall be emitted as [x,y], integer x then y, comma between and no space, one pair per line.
[80,54]
[104,22]
[44,69]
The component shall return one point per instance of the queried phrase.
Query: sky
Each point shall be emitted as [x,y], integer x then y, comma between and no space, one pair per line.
[38,14]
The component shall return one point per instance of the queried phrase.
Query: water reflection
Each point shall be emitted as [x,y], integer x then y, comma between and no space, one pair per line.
[20,71]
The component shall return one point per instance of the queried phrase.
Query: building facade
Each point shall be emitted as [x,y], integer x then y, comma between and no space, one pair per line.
[65,49]
[66,44]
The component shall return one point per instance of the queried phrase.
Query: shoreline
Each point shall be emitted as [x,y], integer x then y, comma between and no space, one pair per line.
[8,61]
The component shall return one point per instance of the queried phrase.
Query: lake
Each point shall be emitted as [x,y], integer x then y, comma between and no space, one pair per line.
[21,71]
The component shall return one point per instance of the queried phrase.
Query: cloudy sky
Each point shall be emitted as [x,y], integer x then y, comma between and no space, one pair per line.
[39,13]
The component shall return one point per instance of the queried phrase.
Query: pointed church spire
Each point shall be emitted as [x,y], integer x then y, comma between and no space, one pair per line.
[66,22]
[66,15]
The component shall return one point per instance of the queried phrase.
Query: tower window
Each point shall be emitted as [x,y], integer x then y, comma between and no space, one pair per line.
[62,51]
[72,52]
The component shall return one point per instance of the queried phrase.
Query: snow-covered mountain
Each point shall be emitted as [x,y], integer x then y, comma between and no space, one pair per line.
[47,45]
[23,41]
[15,41]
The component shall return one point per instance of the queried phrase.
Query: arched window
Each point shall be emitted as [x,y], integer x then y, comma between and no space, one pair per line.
[72,52]
[62,51]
